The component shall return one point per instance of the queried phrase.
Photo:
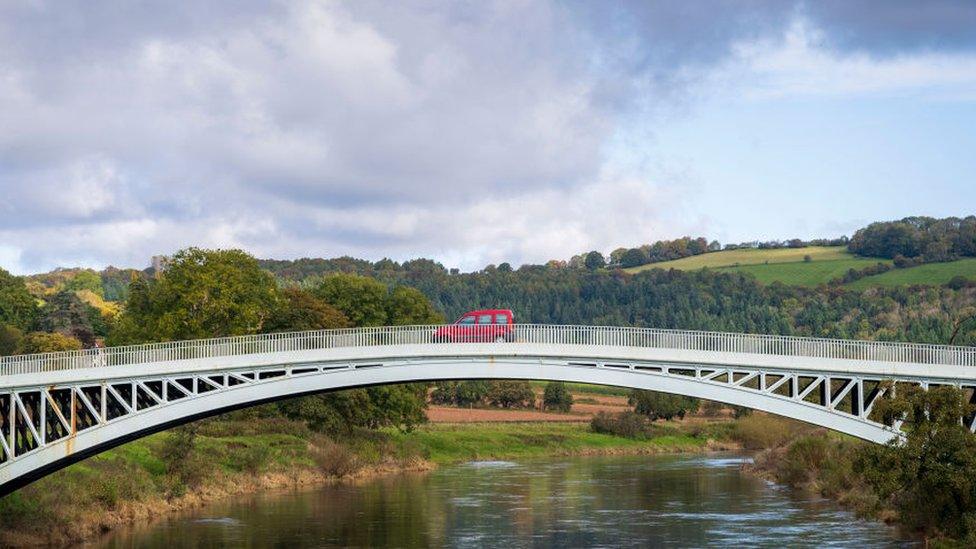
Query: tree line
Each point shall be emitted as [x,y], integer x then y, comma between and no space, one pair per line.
[914,240]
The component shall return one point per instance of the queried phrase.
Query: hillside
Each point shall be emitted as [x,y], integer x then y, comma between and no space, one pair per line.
[787,265]
[752,256]
[930,274]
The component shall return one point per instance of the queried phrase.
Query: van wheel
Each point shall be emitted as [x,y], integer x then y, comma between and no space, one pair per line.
[501,339]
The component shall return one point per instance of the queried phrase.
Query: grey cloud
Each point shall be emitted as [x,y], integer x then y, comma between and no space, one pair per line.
[358,127]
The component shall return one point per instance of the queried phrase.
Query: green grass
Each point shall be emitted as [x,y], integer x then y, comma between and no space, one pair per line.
[803,274]
[454,443]
[931,274]
[731,258]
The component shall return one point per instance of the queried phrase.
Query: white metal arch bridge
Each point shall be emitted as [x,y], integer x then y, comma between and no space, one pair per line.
[58,408]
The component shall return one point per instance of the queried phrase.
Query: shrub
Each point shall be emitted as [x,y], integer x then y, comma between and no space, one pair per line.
[624,424]
[460,393]
[761,431]
[711,408]
[184,464]
[656,405]
[511,394]
[333,458]
[557,397]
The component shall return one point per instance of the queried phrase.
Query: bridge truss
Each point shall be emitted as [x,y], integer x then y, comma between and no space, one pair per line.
[58,408]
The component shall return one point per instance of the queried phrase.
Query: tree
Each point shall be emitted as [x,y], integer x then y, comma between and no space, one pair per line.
[408,306]
[363,300]
[511,394]
[594,260]
[930,477]
[85,279]
[461,393]
[633,257]
[10,339]
[657,405]
[66,314]
[201,294]
[557,397]
[17,307]
[43,342]
[299,310]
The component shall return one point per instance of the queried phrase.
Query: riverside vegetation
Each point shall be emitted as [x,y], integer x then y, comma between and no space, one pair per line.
[210,293]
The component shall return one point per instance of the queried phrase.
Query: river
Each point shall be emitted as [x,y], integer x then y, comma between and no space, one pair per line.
[613,501]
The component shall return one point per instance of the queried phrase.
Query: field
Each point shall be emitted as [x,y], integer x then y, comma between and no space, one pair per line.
[827,263]
[803,274]
[930,274]
[733,258]
[784,265]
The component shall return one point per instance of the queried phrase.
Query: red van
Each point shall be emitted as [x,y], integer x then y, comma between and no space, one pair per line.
[484,325]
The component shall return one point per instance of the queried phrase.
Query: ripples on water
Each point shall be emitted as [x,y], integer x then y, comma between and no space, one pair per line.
[673,501]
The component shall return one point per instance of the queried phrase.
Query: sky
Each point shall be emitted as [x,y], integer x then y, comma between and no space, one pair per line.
[473,132]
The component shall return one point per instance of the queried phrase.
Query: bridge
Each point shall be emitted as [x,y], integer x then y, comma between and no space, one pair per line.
[58,408]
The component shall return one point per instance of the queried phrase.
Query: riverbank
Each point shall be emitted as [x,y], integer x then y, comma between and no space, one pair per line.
[220,459]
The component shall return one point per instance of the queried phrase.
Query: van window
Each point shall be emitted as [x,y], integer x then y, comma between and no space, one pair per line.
[501,319]
[484,319]
[467,320]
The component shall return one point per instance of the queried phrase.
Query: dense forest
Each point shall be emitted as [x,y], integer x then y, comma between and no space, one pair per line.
[917,239]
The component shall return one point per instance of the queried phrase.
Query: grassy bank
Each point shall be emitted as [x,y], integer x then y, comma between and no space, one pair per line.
[175,470]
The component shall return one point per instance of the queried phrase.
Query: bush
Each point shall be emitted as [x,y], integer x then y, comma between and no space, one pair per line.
[656,405]
[511,394]
[711,408]
[761,431]
[184,465]
[557,397]
[624,424]
[460,393]
[334,459]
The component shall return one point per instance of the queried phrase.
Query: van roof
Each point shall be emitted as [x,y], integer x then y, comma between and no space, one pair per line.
[488,311]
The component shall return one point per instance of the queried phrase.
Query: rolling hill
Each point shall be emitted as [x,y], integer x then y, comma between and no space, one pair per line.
[788,265]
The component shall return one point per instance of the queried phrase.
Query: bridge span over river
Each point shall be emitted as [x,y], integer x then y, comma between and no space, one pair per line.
[58,408]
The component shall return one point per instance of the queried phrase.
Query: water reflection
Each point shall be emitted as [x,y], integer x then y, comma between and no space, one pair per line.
[642,501]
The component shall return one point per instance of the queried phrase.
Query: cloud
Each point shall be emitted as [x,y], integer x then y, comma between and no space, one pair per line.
[471,132]
[797,64]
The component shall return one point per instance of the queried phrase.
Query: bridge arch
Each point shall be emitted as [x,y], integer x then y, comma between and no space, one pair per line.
[209,393]
[58,408]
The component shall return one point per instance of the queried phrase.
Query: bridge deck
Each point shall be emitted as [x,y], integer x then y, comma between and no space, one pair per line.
[878,357]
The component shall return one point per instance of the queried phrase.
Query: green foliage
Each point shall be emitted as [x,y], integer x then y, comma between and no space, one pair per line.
[362,300]
[461,393]
[657,405]
[66,314]
[930,478]
[341,413]
[299,310]
[202,294]
[17,307]
[557,397]
[511,394]
[43,342]
[924,238]
[10,340]
[408,306]
[85,279]
[185,465]
[624,424]
[594,260]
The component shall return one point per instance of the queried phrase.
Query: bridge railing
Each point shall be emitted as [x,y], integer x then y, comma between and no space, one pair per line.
[529,333]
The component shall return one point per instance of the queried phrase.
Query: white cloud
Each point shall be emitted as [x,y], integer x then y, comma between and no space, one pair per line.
[799,63]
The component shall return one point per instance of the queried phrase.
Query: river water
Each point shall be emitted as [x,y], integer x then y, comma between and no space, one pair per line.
[634,501]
